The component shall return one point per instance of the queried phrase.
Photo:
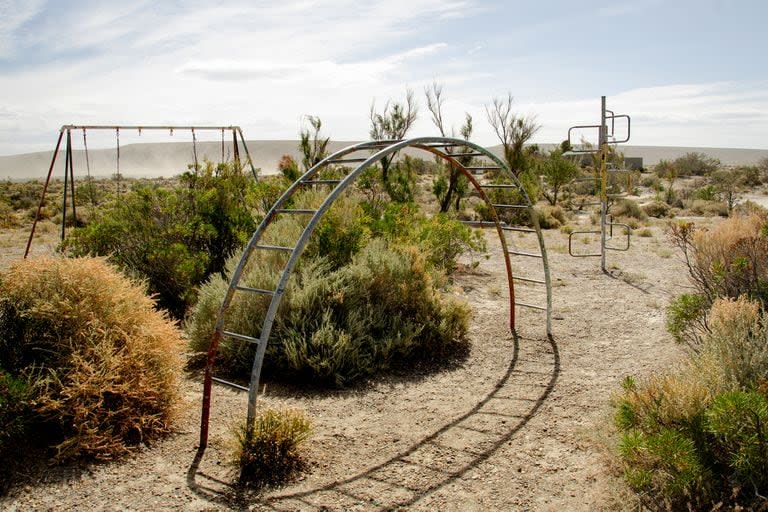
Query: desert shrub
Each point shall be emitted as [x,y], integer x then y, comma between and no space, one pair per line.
[750,208]
[739,423]
[697,437]
[628,208]
[738,340]
[174,239]
[14,412]
[336,326]
[512,216]
[551,217]
[687,318]
[651,181]
[707,208]
[269,452]
[657,209]
[695,164]
[706,193]
[443,239]
[7,216]
[645,233]
[101,364]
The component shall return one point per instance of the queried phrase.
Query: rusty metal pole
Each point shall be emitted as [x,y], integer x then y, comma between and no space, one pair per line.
[247,154]
[72,185]
[42,196]
[67,160]
[235,150]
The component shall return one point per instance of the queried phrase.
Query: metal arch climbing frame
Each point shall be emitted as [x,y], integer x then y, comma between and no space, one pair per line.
[435,145]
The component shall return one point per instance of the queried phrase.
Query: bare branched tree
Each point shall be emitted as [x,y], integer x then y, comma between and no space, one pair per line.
[456,182]
[393,123]
[313,147]
[513,131]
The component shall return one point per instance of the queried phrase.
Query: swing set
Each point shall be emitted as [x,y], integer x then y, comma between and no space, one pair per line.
[69,173]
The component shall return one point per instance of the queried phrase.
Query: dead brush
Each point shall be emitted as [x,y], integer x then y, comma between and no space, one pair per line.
[269,452]
[102,362]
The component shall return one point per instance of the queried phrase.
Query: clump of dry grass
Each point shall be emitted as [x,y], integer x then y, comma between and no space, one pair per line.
[101,361]
[269,452]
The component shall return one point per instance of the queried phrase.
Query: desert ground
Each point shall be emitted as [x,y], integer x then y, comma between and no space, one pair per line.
[523,423]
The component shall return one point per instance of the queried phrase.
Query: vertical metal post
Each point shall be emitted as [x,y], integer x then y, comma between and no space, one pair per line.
[235,150]
[42,196]
[72,185]
[67,160]
[603,183]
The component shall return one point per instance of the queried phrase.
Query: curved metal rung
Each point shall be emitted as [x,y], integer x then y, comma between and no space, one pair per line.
[320,182]
[241,337]
[510,206]
[458,155]
[499,186]
[295,210]
[629,234]
[230,384]
[570,246]
[261,291]
[532,306]
[273,248]
[530,254]
[529,280]
[346,160]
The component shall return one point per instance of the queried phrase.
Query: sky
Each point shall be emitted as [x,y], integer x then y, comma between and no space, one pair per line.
[689,73]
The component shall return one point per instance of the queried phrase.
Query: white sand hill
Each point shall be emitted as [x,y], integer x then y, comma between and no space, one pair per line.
[172,158]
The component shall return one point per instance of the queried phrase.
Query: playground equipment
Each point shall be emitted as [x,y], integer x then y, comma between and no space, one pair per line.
[606,136]
[349,163]
[69,173]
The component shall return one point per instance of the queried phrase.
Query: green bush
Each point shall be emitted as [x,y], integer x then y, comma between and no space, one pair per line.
[14,411]
[269,452]
[336,326]
[99,363]
[699,436]
[687,318]
[174,239]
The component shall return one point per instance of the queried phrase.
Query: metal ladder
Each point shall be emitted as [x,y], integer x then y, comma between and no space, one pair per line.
[354,159]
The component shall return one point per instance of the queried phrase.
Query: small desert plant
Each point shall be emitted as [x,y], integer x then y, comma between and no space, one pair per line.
[657,209]
[100,362]
[628,208]
[551,217]
[269,452]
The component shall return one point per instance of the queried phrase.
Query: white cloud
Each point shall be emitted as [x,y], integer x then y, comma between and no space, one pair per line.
[13,15]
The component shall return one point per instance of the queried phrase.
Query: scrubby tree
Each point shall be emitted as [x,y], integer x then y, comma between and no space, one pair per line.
[667,171]
[556,171]
[696,164]
[513,131]
[393,123]
[313,147]
[729,182]
[457,184]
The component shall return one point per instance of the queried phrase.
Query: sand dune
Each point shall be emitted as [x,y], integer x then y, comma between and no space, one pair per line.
[171,158]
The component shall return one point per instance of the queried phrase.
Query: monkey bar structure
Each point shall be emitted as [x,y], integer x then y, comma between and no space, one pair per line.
[69,173]
[332,176]
[606,136]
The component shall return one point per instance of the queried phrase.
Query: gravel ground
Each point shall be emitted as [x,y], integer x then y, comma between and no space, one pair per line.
[523,423]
